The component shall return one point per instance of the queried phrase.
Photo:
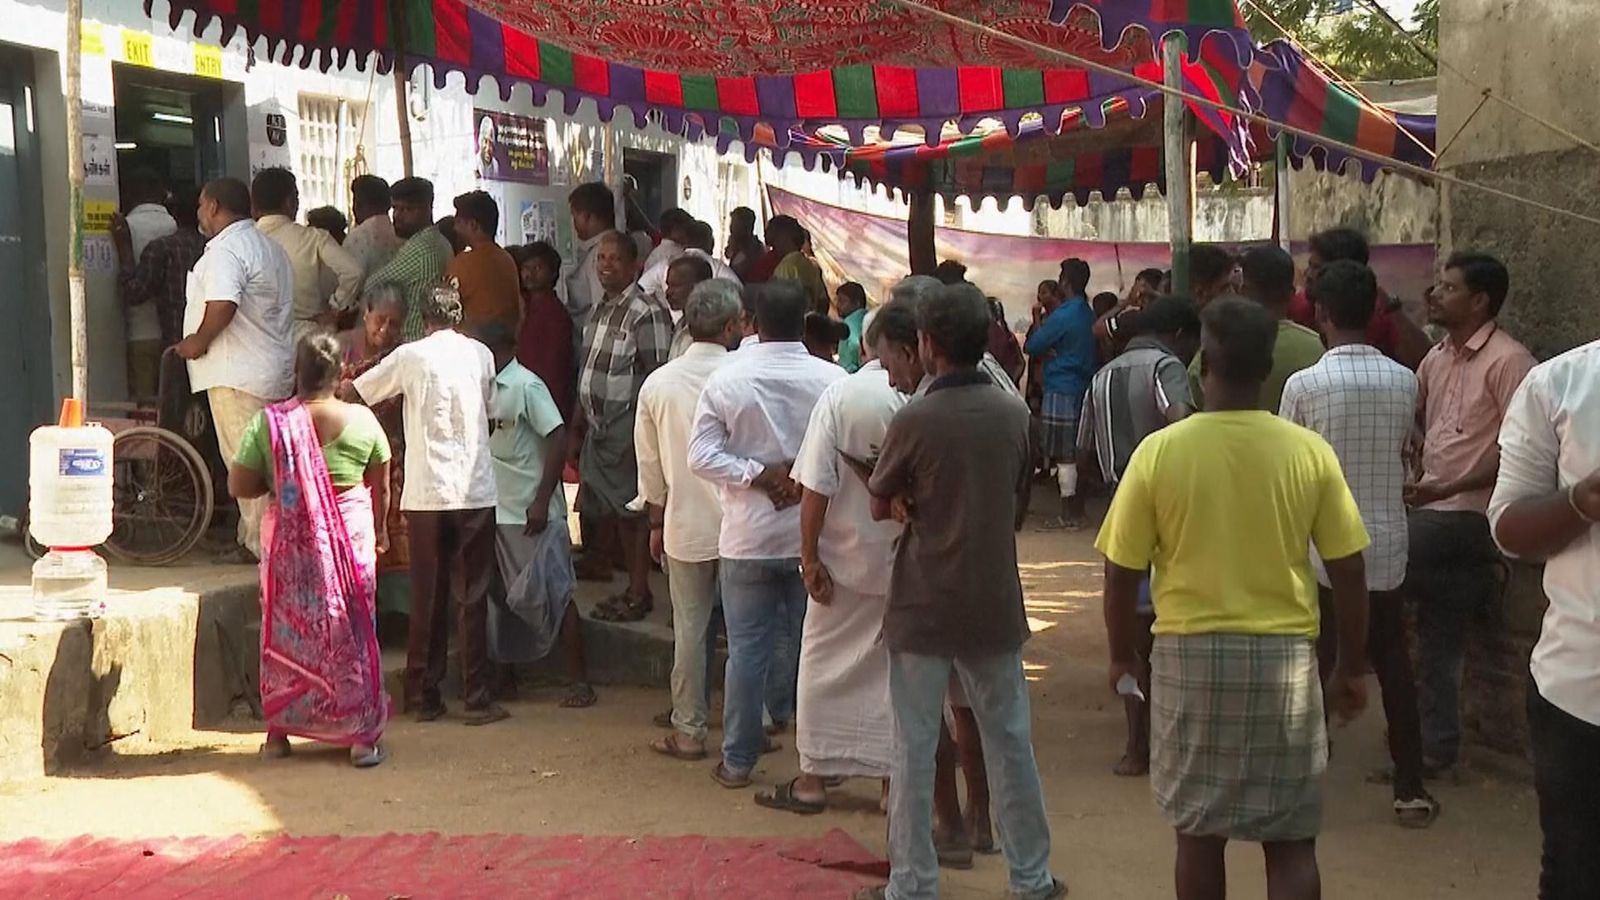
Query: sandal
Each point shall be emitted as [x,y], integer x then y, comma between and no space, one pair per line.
[276,748]
[771,746]
[662,719]
[1416,812]
[623,608]
[783,797]
[669,746]
[1060,524]
[728,778]
[368,757]
[488,715]
[579,696]
[953,852]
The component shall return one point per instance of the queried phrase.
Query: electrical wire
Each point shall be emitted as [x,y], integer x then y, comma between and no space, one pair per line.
[1443,63]
[1416,171]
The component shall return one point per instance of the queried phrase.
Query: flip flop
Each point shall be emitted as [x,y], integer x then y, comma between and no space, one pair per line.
[1060,524]
[579,696]
[669,746]
[369,759]
[488,715]
[623,608]
[782,797]
[1417,812]
[728,779]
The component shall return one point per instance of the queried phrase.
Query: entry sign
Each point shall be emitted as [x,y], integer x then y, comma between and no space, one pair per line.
[207,61]
[136,48]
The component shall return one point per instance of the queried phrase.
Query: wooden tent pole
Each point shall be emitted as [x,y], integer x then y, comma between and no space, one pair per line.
[1176,142]
[1280,179]
[402,82]
[919,234]
[77,304]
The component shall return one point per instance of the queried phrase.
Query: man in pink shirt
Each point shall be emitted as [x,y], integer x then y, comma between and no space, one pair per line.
[1465,385]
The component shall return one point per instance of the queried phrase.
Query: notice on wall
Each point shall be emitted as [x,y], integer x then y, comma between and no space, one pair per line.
[539,222]
[99,160]
[511,148]
[97,216]
[99,256]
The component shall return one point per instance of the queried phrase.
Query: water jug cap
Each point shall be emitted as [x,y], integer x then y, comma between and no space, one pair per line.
[71,413]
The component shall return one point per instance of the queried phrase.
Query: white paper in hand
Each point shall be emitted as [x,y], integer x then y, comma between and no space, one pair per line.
[1128,686]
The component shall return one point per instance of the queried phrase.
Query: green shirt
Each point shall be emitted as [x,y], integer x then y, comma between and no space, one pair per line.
[850,350]
[1297,347]
[525,415]
[362,443]
[417,267]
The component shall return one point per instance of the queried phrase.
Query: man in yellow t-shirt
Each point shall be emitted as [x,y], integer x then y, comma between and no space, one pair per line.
[1224,507]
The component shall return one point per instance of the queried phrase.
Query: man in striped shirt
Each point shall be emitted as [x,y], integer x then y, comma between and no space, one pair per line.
[1141,391]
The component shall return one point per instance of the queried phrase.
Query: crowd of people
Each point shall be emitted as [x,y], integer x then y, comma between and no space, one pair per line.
[833,487]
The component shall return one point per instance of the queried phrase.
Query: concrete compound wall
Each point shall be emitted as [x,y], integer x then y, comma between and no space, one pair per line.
[1538,55]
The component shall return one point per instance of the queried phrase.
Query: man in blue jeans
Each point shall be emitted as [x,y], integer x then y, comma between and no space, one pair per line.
[747,431]
[954,469]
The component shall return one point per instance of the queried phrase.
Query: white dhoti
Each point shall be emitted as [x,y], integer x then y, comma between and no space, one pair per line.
[844,725]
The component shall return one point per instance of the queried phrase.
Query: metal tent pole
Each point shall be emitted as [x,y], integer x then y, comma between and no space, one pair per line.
[77,306]
[1177,143]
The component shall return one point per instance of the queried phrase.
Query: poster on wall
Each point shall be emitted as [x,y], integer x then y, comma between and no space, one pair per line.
[511,147]
[99,160]
[539,222]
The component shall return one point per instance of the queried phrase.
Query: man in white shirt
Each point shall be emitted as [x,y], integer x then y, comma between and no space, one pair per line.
[673,226]
[685,511]
[237,318]
[748,428]
[594,212]
[314,255]
[447,380]
[698,241]
[1545,505]
[372,242]
[147,219]
[844,727]
[1364,404]
[684,274]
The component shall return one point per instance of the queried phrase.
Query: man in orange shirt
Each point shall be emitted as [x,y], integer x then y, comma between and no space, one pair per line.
[485,274]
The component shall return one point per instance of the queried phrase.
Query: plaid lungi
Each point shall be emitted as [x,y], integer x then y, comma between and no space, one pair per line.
[1058,426]
[1238,743]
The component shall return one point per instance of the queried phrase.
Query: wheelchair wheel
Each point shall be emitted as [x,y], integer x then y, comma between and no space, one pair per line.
[163,497]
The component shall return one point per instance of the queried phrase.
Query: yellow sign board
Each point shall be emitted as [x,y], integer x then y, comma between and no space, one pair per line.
[136,48]
[94,39]
[97,216]
[207,61]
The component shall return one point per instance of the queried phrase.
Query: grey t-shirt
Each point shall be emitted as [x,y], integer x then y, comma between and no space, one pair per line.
[1128,401]
[960,453]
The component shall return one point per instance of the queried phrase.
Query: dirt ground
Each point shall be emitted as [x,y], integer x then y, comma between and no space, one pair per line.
[554,771]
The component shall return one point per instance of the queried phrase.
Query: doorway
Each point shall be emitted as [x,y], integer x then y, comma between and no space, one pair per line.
[169,124]
[656,175]
[24,302]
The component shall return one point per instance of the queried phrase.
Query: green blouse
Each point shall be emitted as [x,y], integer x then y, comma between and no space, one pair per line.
[359,445]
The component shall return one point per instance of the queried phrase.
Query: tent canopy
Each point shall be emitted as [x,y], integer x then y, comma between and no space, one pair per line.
[1126,151]
[723,67]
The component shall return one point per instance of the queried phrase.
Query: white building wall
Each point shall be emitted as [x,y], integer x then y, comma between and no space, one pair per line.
[441,130]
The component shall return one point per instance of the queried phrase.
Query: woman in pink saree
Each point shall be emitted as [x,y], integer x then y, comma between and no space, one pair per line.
[325,463]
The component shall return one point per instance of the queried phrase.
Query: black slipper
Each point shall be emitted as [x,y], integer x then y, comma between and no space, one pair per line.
[782,797]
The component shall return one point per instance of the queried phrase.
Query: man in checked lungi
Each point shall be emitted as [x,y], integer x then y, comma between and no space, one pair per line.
[1224,507]
[1063,345]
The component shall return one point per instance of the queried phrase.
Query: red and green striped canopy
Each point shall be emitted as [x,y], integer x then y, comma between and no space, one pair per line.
[1126,151]
[726,66]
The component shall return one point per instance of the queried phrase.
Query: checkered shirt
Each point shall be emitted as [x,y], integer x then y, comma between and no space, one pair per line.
[417,267]
[627,337]
[1364,404]
[161,277]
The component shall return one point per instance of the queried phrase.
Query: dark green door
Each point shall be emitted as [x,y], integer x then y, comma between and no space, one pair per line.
[24,304]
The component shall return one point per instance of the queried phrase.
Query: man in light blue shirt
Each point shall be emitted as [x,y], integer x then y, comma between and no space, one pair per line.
[1063,344]
[531,605]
